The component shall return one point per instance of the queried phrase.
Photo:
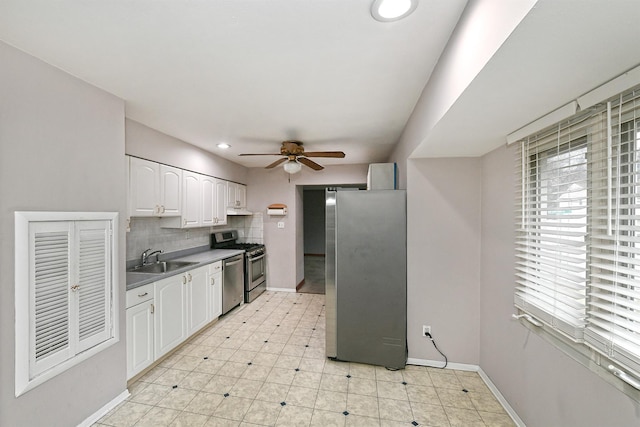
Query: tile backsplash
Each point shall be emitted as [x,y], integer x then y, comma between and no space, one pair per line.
[146,233]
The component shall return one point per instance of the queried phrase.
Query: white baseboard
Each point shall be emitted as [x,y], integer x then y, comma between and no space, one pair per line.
[473,368]
[105,409]
[281,289]
[514,416]
[439,364]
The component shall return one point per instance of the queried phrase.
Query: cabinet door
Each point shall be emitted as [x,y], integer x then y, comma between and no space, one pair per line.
[143,187]
[139,338]
[196,299]
[208,212]
[170,190]
[241,196]
[191,199]
[214,291]
[221,202]
[170,317]
[231,194]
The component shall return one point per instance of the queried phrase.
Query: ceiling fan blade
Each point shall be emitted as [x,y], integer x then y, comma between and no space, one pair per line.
[260,154]
[276,163]
[313,165]
[335,154]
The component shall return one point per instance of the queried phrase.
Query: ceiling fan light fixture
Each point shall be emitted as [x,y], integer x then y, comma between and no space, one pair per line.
[292,166]
[392,10]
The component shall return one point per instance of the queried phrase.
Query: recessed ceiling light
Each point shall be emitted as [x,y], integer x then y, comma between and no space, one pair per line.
[392,10]
[223,145]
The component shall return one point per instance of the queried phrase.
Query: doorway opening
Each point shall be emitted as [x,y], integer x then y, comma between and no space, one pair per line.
[314,236]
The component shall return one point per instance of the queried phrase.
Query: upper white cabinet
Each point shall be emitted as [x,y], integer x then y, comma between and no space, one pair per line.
[186,199]
[236,195]
[220,205]
[191,199]
[154,189]
[213,201]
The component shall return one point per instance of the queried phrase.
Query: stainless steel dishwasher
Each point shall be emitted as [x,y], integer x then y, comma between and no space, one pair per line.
[232,282]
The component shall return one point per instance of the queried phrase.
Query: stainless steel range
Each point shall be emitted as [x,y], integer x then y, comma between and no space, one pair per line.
[255,277]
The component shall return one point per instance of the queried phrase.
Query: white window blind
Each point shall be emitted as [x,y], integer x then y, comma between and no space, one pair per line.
[551,236]
[578,229]
[613,326]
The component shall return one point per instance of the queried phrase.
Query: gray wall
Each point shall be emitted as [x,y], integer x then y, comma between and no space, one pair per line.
[285,259]
[61,149]
[148,143]
[314,212]
[545,387]
[443,257]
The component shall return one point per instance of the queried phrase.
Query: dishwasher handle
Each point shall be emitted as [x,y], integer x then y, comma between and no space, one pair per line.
[232,261]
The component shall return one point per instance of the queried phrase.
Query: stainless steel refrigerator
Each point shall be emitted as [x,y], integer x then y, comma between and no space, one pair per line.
[366,276]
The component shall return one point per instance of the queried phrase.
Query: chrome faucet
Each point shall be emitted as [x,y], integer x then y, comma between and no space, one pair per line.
[145,256]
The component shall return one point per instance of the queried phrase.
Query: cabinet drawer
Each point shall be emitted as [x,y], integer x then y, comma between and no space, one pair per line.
[140,294]
[216,267]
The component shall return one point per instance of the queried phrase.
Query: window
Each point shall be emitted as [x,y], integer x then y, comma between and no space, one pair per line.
[578,233]
[65,292]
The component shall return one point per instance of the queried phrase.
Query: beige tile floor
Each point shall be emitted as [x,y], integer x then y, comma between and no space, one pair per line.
[263,364]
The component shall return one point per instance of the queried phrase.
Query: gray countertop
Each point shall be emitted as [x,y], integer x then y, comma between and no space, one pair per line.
[135,280]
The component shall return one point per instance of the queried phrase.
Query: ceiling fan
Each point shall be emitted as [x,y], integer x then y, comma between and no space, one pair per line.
[294,155]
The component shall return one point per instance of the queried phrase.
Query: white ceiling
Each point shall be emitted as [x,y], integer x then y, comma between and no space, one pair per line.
[248,72]
[562,49]
[255,72]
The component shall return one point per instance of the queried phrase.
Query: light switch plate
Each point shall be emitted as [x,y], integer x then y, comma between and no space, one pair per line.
[280,224]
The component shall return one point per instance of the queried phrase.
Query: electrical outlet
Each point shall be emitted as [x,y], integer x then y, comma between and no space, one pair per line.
[426,330]
[281,224]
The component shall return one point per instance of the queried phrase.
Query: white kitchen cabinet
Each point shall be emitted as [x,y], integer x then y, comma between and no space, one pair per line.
[170,317]
[191,199]
[236,195]
[170,190]
[214,291]
[154,189]
[203,203]
[221,202]
[208,200]
[140,336]
[196,300]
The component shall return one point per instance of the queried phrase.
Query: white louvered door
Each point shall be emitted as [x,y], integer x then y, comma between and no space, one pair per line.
[70,285]
[92,295]
[50,308]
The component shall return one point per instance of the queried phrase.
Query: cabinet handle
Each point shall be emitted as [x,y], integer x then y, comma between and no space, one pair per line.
[143,295]
[157,210]
[213,281]
[189,274]
[184,280]
[153,308]
[185,222]
[163,209]
[74,288]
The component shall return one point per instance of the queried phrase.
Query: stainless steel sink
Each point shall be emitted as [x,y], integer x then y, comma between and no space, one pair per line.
[161,267]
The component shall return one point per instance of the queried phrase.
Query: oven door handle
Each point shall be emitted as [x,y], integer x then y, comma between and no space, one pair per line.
[256,258]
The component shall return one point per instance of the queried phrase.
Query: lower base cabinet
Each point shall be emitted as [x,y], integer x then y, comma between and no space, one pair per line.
[140,326]
[214,291]
[170,317]
[162,315]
